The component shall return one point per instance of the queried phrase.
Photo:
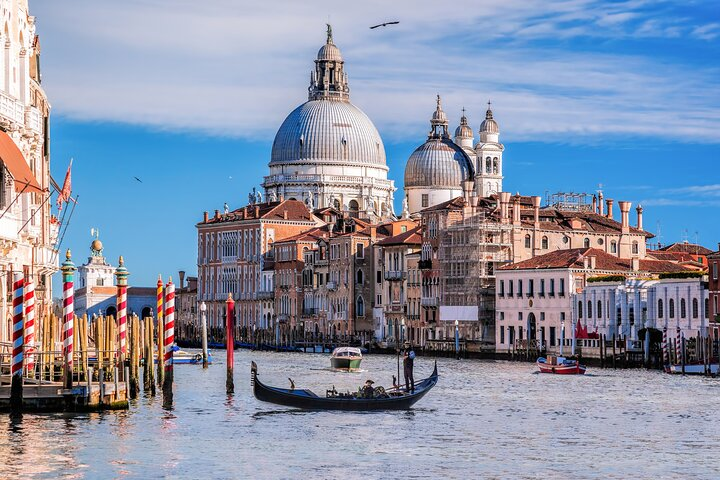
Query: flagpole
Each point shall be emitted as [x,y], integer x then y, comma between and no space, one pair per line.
[66,225]
[36,211]
[27,184]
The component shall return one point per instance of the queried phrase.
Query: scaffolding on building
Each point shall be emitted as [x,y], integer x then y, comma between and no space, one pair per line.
[469,252]
[570,202]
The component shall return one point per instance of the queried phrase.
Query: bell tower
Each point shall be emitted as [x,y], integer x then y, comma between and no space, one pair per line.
[489,151]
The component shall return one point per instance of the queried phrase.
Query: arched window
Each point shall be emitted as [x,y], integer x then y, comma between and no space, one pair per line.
[527,241]
[360,307]
[598,313]
[579,309]
[695,312]
[544,243]
[488,165]
[635,248]
[495,165]
[589,312]
[660,309]
[683,308]
[586,243]
[354,208]
[613,247]
[671,308]
[359,277]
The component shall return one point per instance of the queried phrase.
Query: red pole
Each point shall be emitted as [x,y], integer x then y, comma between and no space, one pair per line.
[68,271]
[230,345]
[160,332]
[16,366]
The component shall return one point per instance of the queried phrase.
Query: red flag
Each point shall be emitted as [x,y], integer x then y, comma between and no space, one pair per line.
[64,195]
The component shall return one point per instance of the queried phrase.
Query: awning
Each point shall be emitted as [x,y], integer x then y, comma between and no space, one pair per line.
[14,161]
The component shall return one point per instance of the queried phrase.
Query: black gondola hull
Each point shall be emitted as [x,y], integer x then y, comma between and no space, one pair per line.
[307,400]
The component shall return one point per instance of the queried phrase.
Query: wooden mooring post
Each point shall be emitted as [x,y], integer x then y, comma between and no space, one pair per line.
[614,357]
[134,383]
[148,369]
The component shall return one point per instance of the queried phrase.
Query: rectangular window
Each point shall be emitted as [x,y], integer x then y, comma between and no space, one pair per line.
[360,251]
[531,287]
[502,334]
[425,200]
[562,287]
[502,316]
[553,336]
[715,271]
[542,336]
[511,334]
[542,287]
[519,291]
[502,288]
[378,277]
[520,333]
[542,316]
[552,287]
[510,288]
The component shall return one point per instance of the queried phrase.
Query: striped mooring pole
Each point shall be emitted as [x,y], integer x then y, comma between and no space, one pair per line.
[665,351]
[121,274]
[230,343]
[16,365]
[68,272]
[678,347]
[169,337]
[160,331]
[30,328]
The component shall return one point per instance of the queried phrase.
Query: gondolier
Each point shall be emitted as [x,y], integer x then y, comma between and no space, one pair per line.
[408,363]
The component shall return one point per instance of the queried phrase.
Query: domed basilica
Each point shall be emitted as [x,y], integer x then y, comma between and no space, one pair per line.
[327,152]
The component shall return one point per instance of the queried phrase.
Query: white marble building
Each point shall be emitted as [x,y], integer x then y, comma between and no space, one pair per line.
[327,152]
[27,230]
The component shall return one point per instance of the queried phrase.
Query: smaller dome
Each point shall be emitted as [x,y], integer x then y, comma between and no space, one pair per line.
[438,162]
[329,52]
[463,130]
[489,125]
[96,245]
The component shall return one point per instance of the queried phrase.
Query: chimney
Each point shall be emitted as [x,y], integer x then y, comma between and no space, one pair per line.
[257,211]
[285,216]
[281,198]
[217,214]
[181,275]
[601,205]
[609,202]
[586,263]
[516,211]
[467,191]
[639,210]
[205,217]
[245,215]
[594,204]
[536,210]
[504,206]
[373,234]
[593,260]
[635,263]
[625,216]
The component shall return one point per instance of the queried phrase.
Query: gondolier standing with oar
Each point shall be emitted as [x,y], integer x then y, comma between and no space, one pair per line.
[408,361]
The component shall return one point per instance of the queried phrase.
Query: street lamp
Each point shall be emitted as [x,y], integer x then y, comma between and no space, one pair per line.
[457,339]
[562,335]
[203,320]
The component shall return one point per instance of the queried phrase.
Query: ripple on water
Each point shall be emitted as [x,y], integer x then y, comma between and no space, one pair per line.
[485,419]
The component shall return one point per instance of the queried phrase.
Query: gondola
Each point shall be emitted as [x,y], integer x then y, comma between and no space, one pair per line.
[391,400]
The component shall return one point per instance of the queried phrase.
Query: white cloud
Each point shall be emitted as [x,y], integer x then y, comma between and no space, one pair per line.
[237,68]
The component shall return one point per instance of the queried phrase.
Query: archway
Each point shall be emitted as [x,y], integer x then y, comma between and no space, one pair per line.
[354,208]
[146,312]
[532,327]
[111,311]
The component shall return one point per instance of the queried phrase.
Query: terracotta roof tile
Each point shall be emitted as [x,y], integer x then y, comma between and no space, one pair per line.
[686,247]
[411,237]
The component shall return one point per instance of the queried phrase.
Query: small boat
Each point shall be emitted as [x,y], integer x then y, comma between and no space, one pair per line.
[560,365]
[346,358]
[181,357]
[692,368]
[394,399]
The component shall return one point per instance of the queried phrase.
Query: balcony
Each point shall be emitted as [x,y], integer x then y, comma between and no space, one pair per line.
[263,295]
[332,286]
[310,311]
[425,264]
[430,301]
[392,275]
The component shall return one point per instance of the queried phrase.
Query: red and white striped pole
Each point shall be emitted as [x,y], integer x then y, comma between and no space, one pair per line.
[16,365]
[169,340]
[30,327]
[678,347]
[160,332]
[121,273]
[68,271]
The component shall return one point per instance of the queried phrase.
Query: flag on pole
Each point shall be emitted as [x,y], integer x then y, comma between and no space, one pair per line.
[64,195]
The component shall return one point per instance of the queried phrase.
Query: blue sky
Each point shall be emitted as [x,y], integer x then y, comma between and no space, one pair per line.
[187,96]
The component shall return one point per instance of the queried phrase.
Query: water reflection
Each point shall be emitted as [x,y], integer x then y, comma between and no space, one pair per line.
[484,419]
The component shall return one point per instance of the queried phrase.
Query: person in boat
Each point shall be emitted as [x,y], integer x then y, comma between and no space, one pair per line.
[408,361]
[368,390]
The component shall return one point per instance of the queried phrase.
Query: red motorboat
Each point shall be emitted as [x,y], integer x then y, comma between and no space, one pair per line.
[560,366]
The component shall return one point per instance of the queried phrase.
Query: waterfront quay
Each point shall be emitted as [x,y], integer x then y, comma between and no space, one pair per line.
[484,419]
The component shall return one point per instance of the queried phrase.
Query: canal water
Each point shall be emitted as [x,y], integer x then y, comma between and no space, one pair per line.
[484,419]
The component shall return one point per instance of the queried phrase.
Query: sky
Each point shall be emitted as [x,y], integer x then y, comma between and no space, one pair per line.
[187,96]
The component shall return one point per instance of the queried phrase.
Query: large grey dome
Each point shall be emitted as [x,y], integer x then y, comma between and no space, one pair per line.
[328,131]
[439,162]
